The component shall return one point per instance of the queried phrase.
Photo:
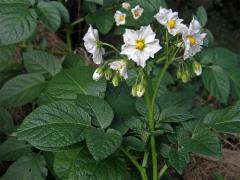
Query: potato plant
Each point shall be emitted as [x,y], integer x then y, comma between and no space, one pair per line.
[149,90]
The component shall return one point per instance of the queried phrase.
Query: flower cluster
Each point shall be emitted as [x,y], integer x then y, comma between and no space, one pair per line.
[142,45]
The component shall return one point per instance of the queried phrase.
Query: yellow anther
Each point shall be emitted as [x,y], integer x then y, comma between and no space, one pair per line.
[140,45]
[192,40]
[121,18]
[172,23]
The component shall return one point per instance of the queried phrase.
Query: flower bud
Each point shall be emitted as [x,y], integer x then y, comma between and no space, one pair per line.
[126,5]
[197,68]
[185,76]
[108,74]
[98,73]
[134,90]
[140,90]
[116,79]
[179,74]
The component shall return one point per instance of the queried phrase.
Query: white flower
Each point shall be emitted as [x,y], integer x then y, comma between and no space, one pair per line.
[137,12]
[140,45]
[120,18]
[91,43]
[193,39]
[120,67]
[170,20]
[126,5]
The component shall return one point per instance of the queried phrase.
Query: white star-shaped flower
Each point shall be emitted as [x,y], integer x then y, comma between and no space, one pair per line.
[140,45]
[137,12]
[120,18]
[193,39]
[170,20]
[92,45]
[120,67]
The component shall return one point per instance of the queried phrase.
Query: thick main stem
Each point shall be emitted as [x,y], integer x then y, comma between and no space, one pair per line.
[152,138]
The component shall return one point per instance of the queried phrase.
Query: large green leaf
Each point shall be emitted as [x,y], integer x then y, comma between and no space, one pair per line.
[202,15]
[104,20]
[79,164]
[12,149]
[15,2]
[227,120]
[203,142]
[6,121]
[41,62]
[102,144]
[17,23]
[97,108]
[27,167]
[71,82]
[175,114]
[217,82]
[49,15]
[21,90]
[62,10]
[178,159]
[96,1]
[6,53]
[56,124]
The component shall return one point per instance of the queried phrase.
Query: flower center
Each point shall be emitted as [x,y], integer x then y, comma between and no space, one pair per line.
[121,18]
[140,45]
[172,23]
[137,13]
[192,40]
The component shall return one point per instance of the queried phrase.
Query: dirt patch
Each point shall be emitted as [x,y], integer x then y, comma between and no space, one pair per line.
[201,168]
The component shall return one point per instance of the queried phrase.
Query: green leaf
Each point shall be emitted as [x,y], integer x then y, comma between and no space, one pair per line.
[21,89]
[105,20]
[142,109]
[73,60]
[206,56]
[203,142]
[96,1]
[225,58]
[49,15]
[69,83]
[79,164]
[15,2]
[12,149]
[134,143]
[6,121]
[26,168]
[98,108]
[41,62]
[56,124]
[175,114]
[62,11]
[217,82]
[17,23]
[121,100]
[6,53]
[226,120]
[202,15]
[102,144]
[178,159]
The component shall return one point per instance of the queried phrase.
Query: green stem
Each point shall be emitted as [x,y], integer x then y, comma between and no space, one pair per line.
[111,46]
[77,21]
[152,138]
[136,164]
[162,171]
[68,38]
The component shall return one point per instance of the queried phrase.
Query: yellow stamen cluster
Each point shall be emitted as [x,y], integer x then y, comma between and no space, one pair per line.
[121,18]
[172,23]
[192,40]
[140,45]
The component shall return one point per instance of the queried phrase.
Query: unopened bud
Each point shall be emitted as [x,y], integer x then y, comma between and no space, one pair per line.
[108,74]
[185,76]
[197,68]
[98,73]
[116,79]
[138,90]
[126,5]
